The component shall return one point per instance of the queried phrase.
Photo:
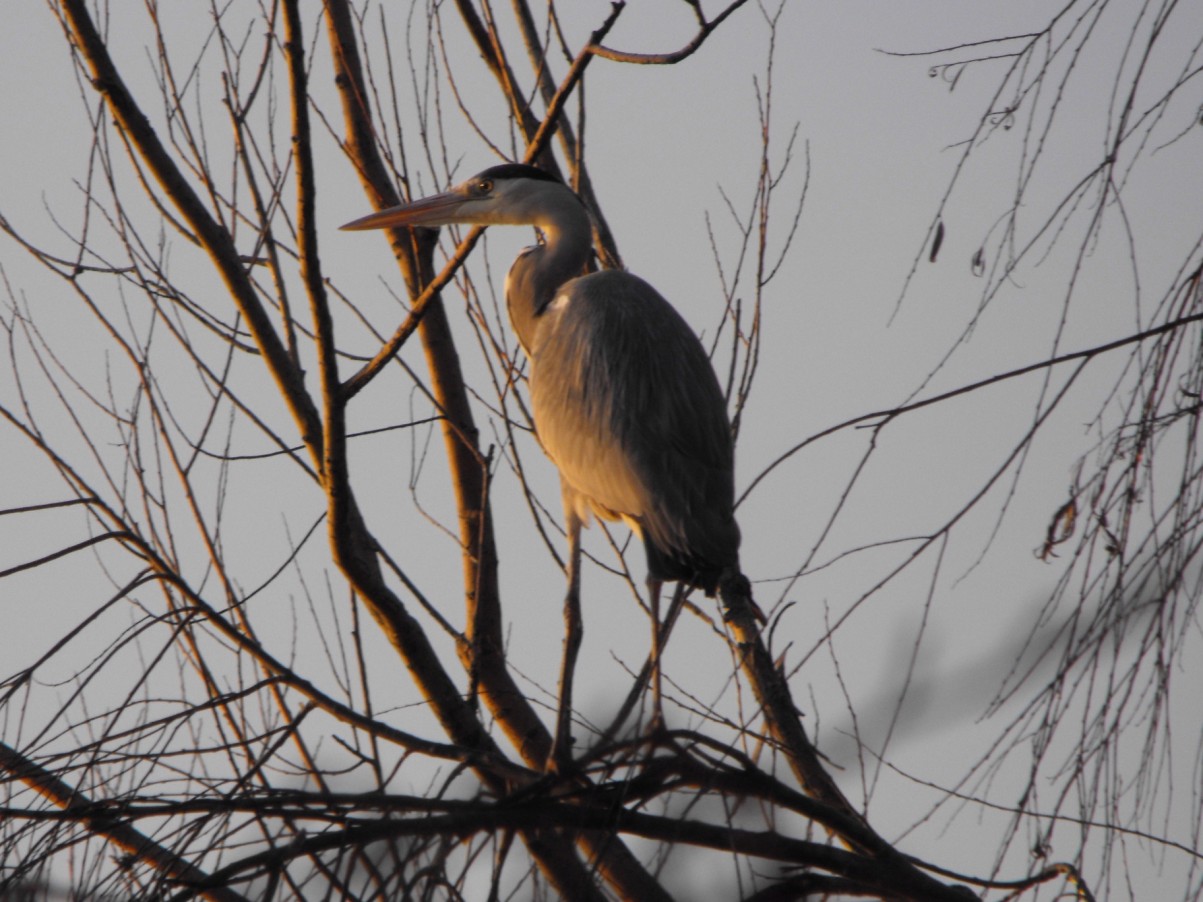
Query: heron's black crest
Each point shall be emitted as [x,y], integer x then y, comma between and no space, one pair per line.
[517,171]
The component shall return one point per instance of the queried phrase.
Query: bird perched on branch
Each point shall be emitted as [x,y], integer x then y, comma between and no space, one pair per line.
[625,400]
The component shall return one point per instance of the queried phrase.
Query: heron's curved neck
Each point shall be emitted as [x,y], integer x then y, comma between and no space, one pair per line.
[539,271]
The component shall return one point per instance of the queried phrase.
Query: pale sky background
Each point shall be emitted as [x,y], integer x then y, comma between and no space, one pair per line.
[882,139]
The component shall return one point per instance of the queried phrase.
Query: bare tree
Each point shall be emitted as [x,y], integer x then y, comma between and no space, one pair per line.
[244,681]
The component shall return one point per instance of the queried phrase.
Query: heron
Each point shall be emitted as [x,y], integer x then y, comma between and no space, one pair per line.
[624,398]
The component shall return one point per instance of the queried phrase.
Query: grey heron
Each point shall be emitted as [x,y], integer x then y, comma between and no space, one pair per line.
[625,400]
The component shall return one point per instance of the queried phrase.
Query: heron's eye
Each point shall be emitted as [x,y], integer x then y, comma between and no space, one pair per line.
[484,186]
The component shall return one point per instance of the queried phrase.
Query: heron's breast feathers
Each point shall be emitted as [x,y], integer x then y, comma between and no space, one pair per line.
[627,406]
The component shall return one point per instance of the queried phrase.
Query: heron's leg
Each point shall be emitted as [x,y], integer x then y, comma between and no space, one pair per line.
[561,749]
[653,597]
[660,632]
[645,673]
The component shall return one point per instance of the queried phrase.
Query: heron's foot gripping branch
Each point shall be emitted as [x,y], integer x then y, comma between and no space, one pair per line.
[735,594]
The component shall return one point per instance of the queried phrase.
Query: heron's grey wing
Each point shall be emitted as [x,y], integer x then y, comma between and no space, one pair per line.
[627,405]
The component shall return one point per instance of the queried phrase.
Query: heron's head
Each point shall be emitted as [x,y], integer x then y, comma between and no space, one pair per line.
[511,194]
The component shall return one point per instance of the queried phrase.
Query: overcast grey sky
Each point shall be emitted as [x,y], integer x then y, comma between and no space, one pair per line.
[882,138]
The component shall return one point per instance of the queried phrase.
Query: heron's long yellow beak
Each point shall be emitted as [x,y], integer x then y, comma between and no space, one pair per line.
[436,210]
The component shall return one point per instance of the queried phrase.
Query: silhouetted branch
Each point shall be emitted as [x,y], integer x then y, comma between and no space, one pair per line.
[77,807]
[705,28]
[216,240]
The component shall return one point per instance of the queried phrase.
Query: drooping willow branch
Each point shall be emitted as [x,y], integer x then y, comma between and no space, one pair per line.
[894,412]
